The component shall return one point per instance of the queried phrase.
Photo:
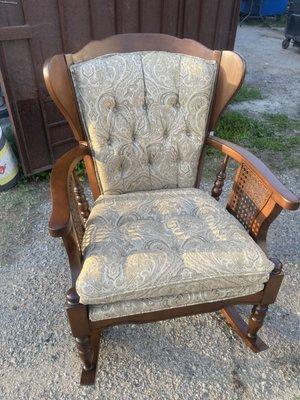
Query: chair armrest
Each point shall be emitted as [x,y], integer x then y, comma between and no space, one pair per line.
[60,221]
[279,193]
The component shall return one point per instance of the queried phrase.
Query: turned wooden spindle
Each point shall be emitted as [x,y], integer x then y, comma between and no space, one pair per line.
[256,320]
[219,182]
[259,311]
[85,351]
[83,343]
[82,202]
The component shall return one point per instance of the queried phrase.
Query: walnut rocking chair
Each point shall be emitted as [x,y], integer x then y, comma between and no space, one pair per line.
[154,246]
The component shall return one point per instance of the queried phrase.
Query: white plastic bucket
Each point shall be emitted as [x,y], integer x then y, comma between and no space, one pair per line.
[9,173]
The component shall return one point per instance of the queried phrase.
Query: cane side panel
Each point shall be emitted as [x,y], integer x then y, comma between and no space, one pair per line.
[248,197]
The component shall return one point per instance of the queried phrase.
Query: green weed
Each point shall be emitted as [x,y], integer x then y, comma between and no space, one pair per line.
[247,93]
[275,135]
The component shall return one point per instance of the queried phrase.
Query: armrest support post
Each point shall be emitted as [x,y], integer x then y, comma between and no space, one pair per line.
[74,255]
[69,206]
[220,179]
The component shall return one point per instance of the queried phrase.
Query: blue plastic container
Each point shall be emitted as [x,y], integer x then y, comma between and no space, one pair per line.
[264,8]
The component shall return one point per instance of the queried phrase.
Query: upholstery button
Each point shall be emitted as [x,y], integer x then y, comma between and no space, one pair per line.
[165,134]
[188,134]
[145,106]
[112,104]
[176,103]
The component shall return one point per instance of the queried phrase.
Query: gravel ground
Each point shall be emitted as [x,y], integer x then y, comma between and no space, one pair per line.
[189,358]
[273,70]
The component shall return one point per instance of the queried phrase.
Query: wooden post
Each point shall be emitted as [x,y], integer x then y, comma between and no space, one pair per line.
[219,182]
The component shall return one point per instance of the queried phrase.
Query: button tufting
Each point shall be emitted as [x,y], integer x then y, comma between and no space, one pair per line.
[176,103]
[188,134]
[145,106]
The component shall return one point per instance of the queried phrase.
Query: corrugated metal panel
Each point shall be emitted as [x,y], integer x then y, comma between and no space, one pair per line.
[31,31]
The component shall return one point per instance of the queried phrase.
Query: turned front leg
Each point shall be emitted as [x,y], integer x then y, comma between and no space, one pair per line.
[256,320]
[78,318]
[86,353]
[271,289]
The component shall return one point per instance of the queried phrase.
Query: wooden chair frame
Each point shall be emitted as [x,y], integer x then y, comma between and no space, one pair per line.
[255,208]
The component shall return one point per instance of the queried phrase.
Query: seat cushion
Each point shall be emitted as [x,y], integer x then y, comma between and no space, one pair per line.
[146,245]
[142,306]
[145,115]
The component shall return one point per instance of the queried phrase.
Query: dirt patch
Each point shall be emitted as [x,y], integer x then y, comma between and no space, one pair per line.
[18,214]
[270,68]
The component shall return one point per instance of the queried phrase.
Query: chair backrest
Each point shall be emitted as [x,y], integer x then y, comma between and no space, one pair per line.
[144,103]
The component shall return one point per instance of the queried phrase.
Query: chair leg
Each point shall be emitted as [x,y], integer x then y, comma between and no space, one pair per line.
[248,333]
[256,320]
[87,342]
[240,327]
[86,353]
[88,375]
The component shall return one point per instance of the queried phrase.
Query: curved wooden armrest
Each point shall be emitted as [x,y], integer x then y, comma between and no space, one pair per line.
[280,194]
[60,221]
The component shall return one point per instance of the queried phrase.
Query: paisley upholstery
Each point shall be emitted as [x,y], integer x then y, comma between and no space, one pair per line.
[147,249]
[145,116]
[141,306]
[145,245]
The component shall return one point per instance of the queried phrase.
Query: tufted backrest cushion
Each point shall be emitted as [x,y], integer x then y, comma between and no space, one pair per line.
[145,115]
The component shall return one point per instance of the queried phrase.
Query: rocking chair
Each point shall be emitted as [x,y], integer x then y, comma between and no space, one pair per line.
[154,246]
